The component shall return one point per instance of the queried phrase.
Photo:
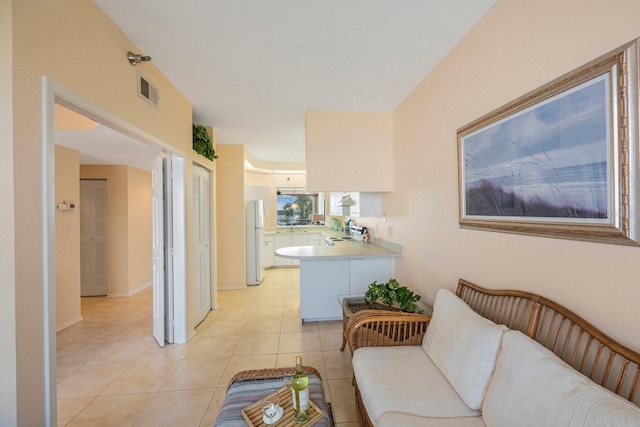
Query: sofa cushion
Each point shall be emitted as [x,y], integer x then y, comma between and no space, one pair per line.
[396,419]
[404,379]
[463,345]
[533,387]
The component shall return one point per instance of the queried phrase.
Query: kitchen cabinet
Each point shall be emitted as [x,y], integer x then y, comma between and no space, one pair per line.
[363,272]
[284,240]
[314,239]
[268,256]
[323,283]
[366,204]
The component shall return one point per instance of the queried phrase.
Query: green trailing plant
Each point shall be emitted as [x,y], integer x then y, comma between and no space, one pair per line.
[202,142]
[392,293]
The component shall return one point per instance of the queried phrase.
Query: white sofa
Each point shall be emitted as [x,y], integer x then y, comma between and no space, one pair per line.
[469,371]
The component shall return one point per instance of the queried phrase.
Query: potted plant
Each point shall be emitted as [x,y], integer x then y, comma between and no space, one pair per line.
[393,295]
[202,142]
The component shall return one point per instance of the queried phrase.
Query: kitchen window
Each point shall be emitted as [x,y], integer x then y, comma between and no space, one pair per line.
[296,206]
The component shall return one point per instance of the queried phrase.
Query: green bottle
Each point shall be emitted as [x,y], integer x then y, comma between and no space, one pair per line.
[300,393]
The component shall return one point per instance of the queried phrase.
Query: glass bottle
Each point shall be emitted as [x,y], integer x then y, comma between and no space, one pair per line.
[300,393]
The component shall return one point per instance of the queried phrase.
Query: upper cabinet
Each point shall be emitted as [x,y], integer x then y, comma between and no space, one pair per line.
[360,204]
[347,150]
[366,205]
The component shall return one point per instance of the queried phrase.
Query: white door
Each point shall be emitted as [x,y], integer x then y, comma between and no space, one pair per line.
[168,249]
[157,187]
[93,237]
[201,241]
[176,296]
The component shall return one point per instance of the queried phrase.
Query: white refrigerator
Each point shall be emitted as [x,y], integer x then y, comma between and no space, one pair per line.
[254,213]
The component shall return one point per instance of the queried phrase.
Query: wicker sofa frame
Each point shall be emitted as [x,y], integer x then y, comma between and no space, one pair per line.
[569,336]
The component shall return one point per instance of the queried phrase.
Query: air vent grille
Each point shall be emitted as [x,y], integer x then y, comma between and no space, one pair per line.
[147,91]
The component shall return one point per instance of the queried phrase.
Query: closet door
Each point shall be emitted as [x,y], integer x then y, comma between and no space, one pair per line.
[157,248]
[201,241]
[93,237]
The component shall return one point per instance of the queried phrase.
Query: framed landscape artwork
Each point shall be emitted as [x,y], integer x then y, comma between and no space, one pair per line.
[561,161]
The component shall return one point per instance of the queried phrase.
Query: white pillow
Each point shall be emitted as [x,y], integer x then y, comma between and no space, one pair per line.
[463,345]
[533,387]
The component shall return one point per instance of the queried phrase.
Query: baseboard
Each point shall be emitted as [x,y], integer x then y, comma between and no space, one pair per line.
[69,323]
[140,288]
[131,293]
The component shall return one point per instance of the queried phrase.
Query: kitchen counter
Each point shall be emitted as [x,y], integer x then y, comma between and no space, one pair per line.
[330,273]
[339,250]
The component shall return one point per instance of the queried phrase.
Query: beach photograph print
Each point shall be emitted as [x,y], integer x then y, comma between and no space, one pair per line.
[549,162]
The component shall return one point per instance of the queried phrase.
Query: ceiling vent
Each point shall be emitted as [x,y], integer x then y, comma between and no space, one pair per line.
[147,91]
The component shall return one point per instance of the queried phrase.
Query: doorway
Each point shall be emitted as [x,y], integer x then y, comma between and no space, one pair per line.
[55,94]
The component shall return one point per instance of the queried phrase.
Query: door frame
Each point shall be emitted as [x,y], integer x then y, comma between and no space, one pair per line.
[54,93]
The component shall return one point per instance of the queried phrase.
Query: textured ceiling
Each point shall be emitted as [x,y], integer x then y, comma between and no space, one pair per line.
[252,68]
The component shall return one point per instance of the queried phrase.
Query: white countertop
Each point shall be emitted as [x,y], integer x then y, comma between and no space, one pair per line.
[339,250]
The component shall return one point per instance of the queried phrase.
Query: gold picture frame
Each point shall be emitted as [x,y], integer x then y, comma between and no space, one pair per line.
[561,161]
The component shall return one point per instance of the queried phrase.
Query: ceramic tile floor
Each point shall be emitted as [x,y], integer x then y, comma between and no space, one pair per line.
[110,371]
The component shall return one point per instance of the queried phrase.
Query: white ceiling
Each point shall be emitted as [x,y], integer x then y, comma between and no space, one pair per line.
[104,146]
[252,68]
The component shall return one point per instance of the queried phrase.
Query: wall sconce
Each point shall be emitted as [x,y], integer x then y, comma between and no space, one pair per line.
[136,58]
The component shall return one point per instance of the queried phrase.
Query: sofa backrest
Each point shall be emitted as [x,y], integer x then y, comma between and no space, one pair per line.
[532,387]
[569,336]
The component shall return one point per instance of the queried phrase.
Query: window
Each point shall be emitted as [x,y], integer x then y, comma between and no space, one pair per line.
[295,206]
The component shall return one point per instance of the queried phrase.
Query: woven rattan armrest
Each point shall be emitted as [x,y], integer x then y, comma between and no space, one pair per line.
[375,328]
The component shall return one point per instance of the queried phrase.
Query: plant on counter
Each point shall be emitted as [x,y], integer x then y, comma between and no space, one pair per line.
[202,142]
[392,294]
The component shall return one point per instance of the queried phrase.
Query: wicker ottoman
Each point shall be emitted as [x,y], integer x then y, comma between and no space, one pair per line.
[247,387]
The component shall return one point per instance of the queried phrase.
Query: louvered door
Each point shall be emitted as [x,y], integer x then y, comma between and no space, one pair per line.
[201,241]
[93,237]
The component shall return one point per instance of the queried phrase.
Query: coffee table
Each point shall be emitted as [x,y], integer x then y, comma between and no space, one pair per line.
[247,387]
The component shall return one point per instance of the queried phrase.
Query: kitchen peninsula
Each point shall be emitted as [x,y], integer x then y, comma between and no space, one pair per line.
[330,273]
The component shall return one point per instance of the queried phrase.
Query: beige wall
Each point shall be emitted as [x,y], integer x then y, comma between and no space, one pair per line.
[139,226]
[67,238]
[74,44]
[230,229]
[129,260]
[518,46]
[8,389]
[357,144]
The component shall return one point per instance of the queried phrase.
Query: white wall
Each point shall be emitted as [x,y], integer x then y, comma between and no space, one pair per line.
[518,46]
